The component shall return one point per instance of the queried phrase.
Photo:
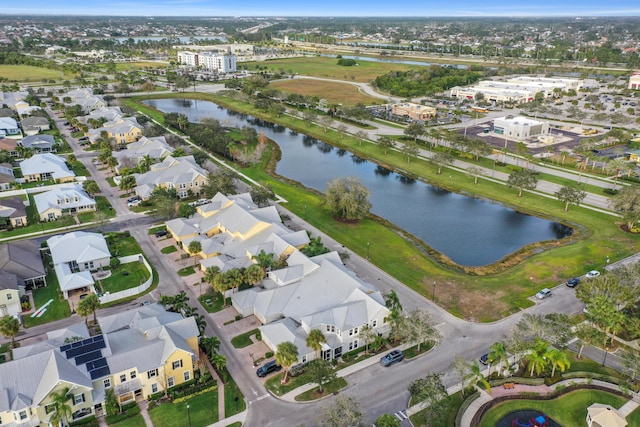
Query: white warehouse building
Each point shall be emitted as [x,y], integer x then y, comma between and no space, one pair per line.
[517,89]
[210,61]
[519,127]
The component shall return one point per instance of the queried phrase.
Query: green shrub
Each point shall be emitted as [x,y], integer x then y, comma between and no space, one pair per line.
[268,354]
[86,422]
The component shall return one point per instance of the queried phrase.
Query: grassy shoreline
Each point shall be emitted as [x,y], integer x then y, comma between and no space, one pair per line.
[482,294]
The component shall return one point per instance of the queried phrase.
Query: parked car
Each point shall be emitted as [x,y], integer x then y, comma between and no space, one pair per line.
[391,358]
[268,368]
[484,359]
[134,203]
[592,274]
[161,233]
[572,283]
[134,199]
[543,293]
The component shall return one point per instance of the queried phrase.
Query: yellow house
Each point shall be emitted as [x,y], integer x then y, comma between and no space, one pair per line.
[46,166]
[10,291]
[634,155]
[13,209]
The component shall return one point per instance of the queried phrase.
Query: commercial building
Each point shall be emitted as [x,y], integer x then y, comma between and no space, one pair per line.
[518,127]
[518,89]
[634,80]
[413,111]
[210,61]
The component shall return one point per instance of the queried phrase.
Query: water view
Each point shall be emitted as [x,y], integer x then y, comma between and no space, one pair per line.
[470,231]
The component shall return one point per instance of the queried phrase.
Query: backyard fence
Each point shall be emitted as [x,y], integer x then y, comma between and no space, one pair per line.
[106,298]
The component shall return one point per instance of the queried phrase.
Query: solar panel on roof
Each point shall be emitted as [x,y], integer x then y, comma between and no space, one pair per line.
[88,357]
[98,338]
[65,347]
[100,372]
[95,364]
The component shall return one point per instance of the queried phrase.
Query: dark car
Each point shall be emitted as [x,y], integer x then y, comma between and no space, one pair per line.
[268,368]
[484,359]
[161,233]
[391,358]
[572,283]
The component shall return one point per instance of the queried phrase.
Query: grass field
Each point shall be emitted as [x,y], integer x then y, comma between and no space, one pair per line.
[58,309]
[446,417]
[335,93]
[319,66]
[126,276]
[634,418]
[567,410]
[27,73]
[203,411]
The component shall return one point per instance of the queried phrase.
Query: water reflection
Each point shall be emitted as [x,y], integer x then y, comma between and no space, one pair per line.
[470,231]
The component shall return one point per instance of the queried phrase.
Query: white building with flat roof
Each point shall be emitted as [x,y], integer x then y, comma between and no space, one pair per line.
[517,89]
[519,127]
[211,61]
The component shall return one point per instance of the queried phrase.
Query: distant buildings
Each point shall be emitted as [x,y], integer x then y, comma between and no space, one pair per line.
[634,80]
[414,111]
[519,89]
[210,61]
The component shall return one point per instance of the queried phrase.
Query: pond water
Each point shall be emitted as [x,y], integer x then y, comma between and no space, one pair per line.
[470,231]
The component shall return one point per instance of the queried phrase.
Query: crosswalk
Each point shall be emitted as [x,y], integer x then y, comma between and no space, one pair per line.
[401,415]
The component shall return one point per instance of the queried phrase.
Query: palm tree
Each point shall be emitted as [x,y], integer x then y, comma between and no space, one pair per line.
[498,353]
[89,305]
[392,301]
[537,359]
[475,376]
[286,355]
[61,407]
[210,345]
[368,334]
[254,274]
[557,359]
[265,260]
[194,248]
[221,285]
[218,361]
[9,327]
[315,339]
[210,274]
[233,278]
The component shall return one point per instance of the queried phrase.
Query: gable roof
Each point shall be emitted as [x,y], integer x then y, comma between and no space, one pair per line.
[79,246]
[12,207]
[174,171]
[46,163]
[62,198]
[23,259]
[38,141]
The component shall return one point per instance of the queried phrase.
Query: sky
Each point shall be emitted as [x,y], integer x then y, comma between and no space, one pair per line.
[414,8]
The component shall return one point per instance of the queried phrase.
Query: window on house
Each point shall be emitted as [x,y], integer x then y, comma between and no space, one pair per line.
[123,378]
[154,388]
[48,409]
[107,382]
[132,374]
[170,382]
[23,415]
[187,375]
[374,323]
[304,359]
[177,364]
[152,373]
[9,296]
[78,399]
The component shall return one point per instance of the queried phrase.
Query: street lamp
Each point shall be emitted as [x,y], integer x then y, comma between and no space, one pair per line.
[188,415]
[367,250]
[606,351]
[433,297]
[305,212]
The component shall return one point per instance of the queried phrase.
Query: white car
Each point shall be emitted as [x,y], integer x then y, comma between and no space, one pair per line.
[592,274]
[543,293]
[134,203]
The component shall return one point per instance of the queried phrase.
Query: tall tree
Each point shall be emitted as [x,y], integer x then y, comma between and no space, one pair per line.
[315,339]
[557,359]
[627,202]
[419,327]
[385,143]
[441,159]
[498,353]
[91,187]
[254,274]
[410,149]
[367,334]
[61,407]
[392,302]
[344,412]
[476,376]
[430,391]
[286,355]
[588,335]
[414,130]
[9,328]
[537,357]
[630,360]
[522,180]
[569,195]
[321,372]
[194,248]
[475,172]
[347,198]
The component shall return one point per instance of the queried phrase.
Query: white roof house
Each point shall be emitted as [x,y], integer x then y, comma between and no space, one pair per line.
[8,126]
[81,251]
[109,113]
[52,204]
[156,148]
[181,173]
[45,166]
[85,98]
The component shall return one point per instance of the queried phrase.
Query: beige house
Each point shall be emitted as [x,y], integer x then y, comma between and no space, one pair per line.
[181,173]
[11,289]
[122,130]
[53,204]
[13,209]
[46,166]
[414,111]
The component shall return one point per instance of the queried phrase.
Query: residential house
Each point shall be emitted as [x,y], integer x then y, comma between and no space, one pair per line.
[8,126]
[155,148]
[181,173]
[85,98]
[46,166]
[309,293]
[24,109]
[7,112]
[601,415]
[633,155]
[53,204]
[74,256]
[634,80]
[108,113]
[123,131]
[34,125]
[11,289]
[39,143]
[9,145]
[140,352]
[23,259]
[6,176]
[13,210]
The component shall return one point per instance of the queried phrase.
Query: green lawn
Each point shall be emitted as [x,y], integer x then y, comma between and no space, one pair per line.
[169,249]
[136,421]
[446,417]
[186,271]
[273,383]
[634,418]
[126,276]
[203,411]
[58,309]
[79,169]
[28,73]
[213,303]
[102,205]
[233,399]
[567,410]
[124,246]
[244,340]
[313,394]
